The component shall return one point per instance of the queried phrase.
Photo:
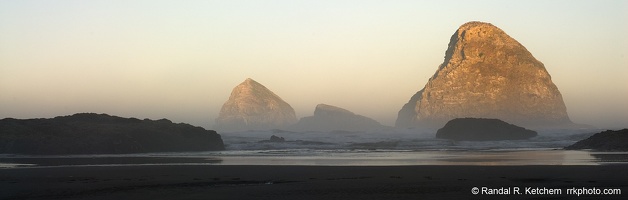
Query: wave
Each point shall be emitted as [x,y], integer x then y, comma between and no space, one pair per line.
[405,139]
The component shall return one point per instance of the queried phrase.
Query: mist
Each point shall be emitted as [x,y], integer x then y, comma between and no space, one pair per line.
[181,61]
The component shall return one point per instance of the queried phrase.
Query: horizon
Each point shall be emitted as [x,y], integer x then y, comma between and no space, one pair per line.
[180,61]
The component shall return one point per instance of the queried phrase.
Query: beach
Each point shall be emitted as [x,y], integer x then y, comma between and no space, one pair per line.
[309,182]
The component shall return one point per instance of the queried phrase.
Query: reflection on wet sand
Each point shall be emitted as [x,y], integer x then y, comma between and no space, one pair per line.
[333,158]
[485,158]
[611,157]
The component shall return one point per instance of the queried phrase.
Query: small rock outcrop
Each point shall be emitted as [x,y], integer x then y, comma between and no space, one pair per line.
[89,133]
[486,74]
[475,129]
[604,141]
[275,138]
[332,118]
[252,106]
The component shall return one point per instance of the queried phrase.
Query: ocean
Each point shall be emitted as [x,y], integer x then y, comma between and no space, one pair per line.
[384,148]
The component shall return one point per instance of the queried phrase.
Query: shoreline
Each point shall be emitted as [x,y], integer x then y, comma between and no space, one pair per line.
[327,158]
[303,182]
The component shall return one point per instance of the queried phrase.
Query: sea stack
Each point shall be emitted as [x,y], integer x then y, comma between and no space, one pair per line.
[486,74]
[332,118]
[475,129]
[252,106]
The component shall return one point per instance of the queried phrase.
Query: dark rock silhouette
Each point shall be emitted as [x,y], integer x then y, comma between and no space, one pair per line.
[252,106]
[275,138]
[486,74]
[332,118]
[604,141]
[89,133]
[475,129]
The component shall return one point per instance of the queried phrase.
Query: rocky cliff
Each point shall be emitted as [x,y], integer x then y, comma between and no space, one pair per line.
[486,74]
[89,133]
[252,106]
[332,118]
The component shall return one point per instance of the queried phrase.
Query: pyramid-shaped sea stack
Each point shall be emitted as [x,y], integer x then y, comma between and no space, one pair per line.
[486,74]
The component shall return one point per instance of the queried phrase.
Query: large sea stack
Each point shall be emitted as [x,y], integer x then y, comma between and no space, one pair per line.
[89,133]
[252,106]
[486,74]
[332,118]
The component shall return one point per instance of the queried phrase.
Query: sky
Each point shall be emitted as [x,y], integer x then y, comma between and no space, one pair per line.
[180,59]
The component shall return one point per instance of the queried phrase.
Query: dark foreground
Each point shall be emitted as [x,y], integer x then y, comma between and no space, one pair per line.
[305,182]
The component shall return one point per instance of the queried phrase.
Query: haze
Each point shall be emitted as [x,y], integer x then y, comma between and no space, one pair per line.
[180,60]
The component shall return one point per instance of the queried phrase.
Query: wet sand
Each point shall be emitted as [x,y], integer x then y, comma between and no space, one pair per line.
[303,182]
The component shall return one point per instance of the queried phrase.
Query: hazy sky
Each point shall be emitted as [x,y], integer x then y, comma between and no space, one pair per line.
[181,59]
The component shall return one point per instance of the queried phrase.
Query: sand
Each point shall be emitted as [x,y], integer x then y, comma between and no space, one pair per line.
[303,182]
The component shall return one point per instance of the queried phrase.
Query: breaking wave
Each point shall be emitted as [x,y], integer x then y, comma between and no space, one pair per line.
[404,139]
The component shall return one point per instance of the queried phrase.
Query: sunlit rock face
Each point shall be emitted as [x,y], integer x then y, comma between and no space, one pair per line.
[486,74]
[252,106]
[332,118]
